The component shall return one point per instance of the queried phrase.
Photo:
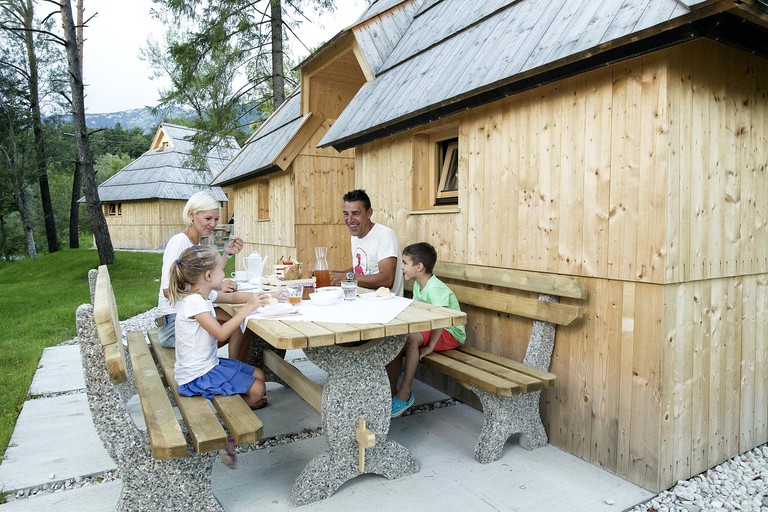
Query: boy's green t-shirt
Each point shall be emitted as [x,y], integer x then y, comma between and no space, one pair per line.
[437,292]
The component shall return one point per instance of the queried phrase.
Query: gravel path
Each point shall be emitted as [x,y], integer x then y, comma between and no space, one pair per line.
[739,484]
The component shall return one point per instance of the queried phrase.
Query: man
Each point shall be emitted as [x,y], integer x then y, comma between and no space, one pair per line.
[375,248]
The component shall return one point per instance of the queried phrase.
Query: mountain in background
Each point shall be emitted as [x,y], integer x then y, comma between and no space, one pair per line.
[144,119]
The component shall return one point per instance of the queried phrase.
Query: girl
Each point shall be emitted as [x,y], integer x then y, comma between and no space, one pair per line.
[194,278]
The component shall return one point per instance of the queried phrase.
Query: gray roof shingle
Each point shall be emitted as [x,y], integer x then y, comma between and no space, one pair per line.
[165,173]
[454,50]
[265,144]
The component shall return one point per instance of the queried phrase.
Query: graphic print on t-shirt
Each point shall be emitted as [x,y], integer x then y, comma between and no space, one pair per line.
[361,261]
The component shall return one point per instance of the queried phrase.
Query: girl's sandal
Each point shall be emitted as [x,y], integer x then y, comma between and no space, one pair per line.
[260,404]
[228,456]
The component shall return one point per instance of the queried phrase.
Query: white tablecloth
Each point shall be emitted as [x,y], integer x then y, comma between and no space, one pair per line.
[358,311]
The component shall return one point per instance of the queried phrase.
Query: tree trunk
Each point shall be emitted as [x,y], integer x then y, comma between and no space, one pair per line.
[74,206]
[37,124]
[22,201]
[278,74]
[4,240]
[82,143]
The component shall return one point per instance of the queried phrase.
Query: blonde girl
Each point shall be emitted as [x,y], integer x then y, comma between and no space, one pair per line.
[195,277]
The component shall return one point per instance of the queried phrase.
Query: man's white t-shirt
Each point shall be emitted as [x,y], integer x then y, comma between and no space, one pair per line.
[378,244]
[195,347]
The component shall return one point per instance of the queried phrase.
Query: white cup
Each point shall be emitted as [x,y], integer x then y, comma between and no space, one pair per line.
[240,275]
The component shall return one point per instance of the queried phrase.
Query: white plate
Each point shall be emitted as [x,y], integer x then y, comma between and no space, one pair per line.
[373,296]
[274,309]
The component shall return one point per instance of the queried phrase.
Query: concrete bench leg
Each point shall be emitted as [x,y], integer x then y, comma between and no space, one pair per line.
[357,387]
[147,483]
[505,416]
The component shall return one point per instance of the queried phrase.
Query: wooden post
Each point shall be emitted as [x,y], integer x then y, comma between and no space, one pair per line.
[365,439]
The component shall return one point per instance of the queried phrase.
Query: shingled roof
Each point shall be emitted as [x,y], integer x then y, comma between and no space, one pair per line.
[260,152]
[163,172]
[457,54]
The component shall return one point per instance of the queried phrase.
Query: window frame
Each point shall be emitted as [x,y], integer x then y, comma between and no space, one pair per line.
[448,153]
[432,170]
[113,209]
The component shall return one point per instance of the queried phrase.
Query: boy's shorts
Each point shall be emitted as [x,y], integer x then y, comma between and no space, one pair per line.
[445,342]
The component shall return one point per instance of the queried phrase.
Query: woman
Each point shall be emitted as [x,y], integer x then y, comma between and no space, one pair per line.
[201,216]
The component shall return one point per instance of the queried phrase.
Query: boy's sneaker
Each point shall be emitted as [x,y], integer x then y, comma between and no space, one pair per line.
[399,407]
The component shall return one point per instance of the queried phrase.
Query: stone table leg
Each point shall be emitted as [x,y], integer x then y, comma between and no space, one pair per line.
[357,387]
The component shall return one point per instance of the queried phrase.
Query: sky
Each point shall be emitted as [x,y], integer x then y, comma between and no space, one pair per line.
[115,76]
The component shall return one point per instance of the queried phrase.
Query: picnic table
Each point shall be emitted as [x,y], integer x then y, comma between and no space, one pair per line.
[355,402]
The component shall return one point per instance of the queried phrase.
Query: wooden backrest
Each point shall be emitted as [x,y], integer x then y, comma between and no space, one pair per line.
[525,281]
[108,327]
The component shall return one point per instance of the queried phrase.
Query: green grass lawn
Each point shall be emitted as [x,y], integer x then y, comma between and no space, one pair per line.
[40,296]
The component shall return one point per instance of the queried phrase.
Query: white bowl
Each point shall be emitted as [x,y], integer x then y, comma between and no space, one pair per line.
[331,289]
[324,298]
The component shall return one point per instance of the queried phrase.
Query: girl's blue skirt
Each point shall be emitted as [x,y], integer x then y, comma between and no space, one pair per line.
[229,377]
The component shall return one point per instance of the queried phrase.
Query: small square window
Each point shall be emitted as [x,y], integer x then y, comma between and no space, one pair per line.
[113,209]
[436,170]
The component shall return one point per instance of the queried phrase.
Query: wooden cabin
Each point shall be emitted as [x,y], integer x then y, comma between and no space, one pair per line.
[143,202]
[623,142]
[286,191]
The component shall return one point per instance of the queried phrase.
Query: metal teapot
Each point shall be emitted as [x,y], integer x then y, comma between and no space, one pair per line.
[254,265]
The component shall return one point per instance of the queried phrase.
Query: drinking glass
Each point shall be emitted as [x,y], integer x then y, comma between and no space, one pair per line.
[295,292]
[350,289]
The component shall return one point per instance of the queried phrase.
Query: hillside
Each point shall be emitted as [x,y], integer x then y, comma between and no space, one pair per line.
[135,118]
[143,118]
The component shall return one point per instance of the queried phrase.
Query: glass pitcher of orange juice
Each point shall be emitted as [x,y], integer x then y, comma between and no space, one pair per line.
[320,270]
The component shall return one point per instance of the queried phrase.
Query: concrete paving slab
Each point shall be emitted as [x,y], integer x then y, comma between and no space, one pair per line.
[92,498]
[442,440]
[53,436]
[60,370]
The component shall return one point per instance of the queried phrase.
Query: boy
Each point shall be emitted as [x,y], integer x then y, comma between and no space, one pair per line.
[418,262]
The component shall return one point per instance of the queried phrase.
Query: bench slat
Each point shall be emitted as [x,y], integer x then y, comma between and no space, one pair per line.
[556,313]
[549,379]
[551,284]
[526,382]
[165,437]
[473,376]
[108,327]
[241,422]
[243,425]
[203,426]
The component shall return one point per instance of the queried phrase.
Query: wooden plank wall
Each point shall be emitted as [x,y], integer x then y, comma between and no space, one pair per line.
[145,224]
[649,179]
[305,207]
[718,104]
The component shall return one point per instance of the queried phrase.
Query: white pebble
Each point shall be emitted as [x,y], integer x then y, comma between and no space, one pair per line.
[610,502]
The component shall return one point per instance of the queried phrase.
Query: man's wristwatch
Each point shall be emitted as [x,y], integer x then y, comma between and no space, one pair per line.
[350,276]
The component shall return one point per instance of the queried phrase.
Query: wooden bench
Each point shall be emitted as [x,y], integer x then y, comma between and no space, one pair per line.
[162,466]
[508,390]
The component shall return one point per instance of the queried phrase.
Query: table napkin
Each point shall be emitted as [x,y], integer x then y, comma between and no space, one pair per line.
[357,311]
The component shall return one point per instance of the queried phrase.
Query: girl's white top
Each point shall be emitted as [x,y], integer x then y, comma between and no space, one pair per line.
[195,347]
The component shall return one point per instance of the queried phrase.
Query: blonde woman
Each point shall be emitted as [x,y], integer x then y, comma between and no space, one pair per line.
[201,216]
